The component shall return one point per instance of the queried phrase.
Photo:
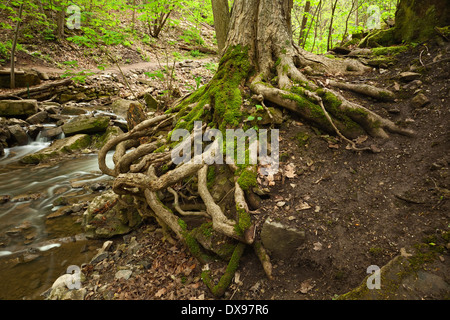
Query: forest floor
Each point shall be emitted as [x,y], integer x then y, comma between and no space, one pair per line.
[357,209]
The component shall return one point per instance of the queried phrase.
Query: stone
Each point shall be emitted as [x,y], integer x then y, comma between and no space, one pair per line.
[18,108]
[72,110]
[19,134]
[409,76]
[420,101]
[51,133]
[58,148]
[123,274]
[281,240]
[152,104]
[106,217]
[22,79]
[121,106]
[86,125]
[404,278]
[37,118]
[102,255]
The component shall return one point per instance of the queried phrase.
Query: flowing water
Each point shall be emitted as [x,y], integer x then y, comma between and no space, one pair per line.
[34,250]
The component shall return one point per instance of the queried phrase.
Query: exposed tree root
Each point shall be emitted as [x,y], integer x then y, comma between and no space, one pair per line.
[144,168]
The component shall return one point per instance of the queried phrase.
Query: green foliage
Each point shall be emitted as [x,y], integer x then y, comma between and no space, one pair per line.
[347,20]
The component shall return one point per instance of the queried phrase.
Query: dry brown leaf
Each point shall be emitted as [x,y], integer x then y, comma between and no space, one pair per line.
[289,171]
[160,292]
[305,287]
[361,139]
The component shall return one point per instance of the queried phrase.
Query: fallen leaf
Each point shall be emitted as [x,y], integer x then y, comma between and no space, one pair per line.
[303,206]
[317,246]
[160,292]
[289,171]
[305,287]
[333,146]
[361,139]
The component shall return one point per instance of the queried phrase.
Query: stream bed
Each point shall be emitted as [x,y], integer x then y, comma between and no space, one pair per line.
[36,250]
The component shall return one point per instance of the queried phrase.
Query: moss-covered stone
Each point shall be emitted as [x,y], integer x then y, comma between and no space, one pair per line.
[86,125]
[58,148]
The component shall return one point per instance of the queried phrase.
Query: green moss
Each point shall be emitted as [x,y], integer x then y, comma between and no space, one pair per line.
[182,224]
[244,221]
[207,229]
[247,179]
[222,93]
[302,139]
[388,51]
[219,289]
[211,176]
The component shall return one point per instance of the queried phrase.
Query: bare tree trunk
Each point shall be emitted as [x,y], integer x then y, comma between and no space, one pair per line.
[221,13]
[313,20]
[346,21]
[302,37]
[60,21]
[13,49]
[330,30]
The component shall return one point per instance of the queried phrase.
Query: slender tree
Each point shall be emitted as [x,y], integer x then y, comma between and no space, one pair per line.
[301,38]
[221,13]
[13,49]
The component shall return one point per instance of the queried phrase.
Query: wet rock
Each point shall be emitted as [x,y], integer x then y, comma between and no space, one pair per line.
[51,133]
[18,108]
[86,125]
[58,148]
[106,217]
[37,118]
[18,134]
[281,240]
[72,110]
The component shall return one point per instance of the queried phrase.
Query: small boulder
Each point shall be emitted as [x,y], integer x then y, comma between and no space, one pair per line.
[19,134]
[37,118]
[281,240]
[18,108]
[86,125]
[420,101]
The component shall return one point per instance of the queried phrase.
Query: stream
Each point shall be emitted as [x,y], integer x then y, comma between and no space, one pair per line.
[35,250]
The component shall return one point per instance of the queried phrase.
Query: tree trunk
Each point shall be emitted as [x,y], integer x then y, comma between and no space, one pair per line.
[302,37]
[221,13]
[330,29]
[60,21]
[13,49]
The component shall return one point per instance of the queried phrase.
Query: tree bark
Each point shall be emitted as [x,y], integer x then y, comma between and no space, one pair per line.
[221,14]
[60,21]
[13,49]
[302,37]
